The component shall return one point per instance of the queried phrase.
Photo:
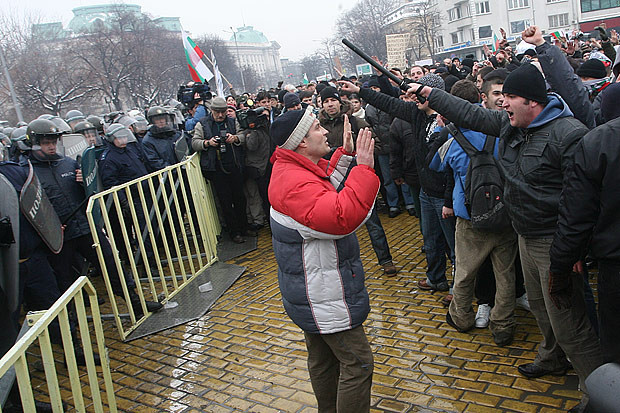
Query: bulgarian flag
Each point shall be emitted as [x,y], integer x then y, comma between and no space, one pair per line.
[495,43]
[559,35]
[197,68]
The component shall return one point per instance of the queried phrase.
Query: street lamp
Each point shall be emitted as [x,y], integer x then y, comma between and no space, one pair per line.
[238,58]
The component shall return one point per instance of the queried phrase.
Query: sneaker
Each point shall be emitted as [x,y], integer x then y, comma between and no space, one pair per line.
[482,316]
[523,302]
[411,211]
[394,211]
[426,285]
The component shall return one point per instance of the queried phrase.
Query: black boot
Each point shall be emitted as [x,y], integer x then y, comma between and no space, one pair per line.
[151,306]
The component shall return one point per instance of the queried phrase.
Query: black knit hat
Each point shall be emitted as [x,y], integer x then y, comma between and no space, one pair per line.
[610,97]
[592,68]
[288,129]
[290,100]
[526,81]
[330,92]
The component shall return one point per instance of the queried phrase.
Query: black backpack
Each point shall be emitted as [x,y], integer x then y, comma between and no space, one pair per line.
[484,188]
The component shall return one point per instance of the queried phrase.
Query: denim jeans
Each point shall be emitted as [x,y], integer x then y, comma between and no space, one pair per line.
[437,233]
[391,188]
[377,238]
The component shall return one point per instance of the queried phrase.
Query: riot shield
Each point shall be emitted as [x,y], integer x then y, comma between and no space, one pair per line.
[74,145]
[92,180]
[180,147]
[9,252]
[39,211]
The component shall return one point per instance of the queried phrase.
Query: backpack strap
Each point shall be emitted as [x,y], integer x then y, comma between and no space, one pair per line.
[469,149]
[489,145]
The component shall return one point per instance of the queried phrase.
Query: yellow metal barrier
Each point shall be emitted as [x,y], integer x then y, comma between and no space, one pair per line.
[167,222]
[71,300]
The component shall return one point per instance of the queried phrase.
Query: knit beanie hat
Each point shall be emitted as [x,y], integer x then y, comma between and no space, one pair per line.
[610,109]
[281,95]
[432,80]
[526,81]
[373,82]
[330,92]
[592,68]
[290,100]
[468,61]
[288,129]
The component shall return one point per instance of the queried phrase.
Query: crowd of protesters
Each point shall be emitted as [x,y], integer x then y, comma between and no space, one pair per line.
[547,114]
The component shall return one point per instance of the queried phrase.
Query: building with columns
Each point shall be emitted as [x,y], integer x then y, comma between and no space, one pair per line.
[252,48]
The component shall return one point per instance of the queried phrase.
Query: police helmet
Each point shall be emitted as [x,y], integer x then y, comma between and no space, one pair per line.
[39,129]
[74,115]
[119,131]
[126,120]
[96,121]
[160,119]
[46,116]
[60,123]
[21,123]
[19,133]
[8,130]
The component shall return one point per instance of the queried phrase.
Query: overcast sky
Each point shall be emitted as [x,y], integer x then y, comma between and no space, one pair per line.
[294,24]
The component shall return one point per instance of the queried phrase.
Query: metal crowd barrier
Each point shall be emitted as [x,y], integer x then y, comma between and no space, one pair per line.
[177,235]
[16,358]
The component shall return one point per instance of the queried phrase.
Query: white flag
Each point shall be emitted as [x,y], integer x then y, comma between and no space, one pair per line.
[218,77]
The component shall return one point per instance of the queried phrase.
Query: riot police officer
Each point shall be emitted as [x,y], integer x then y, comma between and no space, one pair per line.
[61,178]
[159,141]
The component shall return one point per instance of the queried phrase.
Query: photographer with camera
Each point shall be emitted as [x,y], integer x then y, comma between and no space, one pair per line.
[254,136]
[194,96]
[222,161]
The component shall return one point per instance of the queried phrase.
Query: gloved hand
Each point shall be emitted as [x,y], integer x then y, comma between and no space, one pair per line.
[602,32]
[561,289]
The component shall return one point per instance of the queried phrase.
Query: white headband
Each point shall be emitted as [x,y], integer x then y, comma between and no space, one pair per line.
[300,130]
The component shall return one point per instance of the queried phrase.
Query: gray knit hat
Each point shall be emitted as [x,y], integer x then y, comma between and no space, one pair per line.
[291,127]
[432,80]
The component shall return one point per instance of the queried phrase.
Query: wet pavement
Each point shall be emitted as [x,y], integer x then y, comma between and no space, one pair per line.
[246,355]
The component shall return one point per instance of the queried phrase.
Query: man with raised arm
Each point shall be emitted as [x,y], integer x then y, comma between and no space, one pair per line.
[316,206]
[538,135]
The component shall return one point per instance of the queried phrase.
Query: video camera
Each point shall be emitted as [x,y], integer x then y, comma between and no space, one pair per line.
[186,94]
[252,118]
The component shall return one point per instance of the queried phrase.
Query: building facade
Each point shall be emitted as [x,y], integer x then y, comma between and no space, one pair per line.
[470,24]
[252,48]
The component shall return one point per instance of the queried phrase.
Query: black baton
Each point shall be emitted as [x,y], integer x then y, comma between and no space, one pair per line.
[403,84]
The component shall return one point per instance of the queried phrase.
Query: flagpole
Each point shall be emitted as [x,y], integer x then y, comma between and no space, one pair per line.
[5,67]
[211,63]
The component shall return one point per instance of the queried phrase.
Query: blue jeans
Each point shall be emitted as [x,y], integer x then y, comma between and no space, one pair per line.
[391,188]
[378,238]
[437,233]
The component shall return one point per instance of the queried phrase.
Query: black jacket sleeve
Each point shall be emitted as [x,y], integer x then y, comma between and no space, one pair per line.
[468,115]
[578,210]
[398,108]
[563,80]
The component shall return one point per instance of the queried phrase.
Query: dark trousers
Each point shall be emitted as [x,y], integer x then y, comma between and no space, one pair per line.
[377,238]
[229,190]
[485,282]
[61,263]
[609,310]
[40,289]
[340,367]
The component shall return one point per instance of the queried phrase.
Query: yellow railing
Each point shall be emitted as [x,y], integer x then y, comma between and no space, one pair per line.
[71,301]
[177,236]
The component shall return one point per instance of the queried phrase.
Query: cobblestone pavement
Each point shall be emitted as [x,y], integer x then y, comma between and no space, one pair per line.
[246,355]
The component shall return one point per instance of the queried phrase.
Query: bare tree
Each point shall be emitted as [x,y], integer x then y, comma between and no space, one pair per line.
[365,26]
[226,63]
[315,65]
[425,28]
[252,78]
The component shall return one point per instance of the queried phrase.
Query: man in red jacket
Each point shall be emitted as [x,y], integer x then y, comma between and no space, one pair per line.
[316,206]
